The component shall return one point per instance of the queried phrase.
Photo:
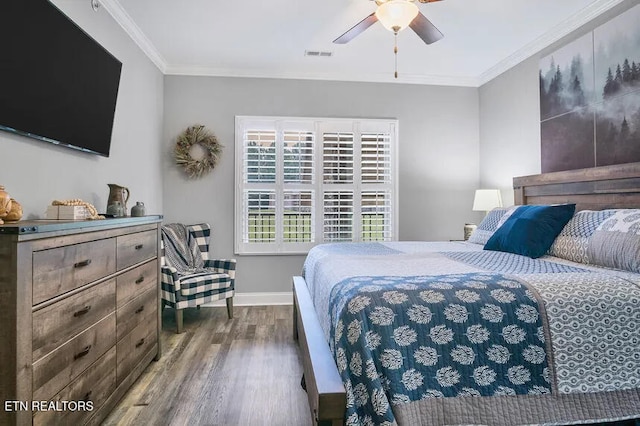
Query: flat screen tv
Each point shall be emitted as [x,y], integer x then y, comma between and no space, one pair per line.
[57,84]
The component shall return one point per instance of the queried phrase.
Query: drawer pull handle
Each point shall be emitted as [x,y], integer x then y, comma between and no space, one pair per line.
[139,280]
[82,311]
[87,396]
[140,309]
[139,246]
[140,343]
[82,264]
[82,353]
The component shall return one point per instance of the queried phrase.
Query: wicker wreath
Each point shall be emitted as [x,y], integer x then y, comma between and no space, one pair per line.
[197,135]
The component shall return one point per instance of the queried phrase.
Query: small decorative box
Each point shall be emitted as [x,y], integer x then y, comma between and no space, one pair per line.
[66,213]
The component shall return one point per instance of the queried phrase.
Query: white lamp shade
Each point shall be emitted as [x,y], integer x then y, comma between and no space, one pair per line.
[396,15]
[487,199]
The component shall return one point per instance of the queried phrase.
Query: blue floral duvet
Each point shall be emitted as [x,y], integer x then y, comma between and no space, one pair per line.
[436,333]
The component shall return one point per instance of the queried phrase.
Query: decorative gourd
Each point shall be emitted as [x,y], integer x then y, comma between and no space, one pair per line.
[15,213]
[5,204]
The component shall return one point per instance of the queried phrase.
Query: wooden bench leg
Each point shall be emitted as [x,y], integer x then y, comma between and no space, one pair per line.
[179,321]
[230,307]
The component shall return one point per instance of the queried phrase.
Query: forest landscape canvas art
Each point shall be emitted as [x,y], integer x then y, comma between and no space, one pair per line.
[590,98]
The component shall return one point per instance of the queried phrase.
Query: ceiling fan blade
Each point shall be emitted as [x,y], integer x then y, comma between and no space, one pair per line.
[428,1]
[425,29]
[357,29]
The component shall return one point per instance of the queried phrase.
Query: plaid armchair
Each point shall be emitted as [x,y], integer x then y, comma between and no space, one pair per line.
[186,291]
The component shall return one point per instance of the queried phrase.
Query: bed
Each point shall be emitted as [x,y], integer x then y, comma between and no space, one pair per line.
[449,333]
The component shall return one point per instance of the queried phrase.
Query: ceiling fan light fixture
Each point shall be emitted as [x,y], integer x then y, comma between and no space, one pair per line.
[396,15]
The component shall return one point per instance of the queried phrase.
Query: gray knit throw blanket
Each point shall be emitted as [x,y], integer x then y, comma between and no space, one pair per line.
[181,250]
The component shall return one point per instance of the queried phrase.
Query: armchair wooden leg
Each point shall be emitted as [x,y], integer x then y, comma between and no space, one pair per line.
[230,307]
[179,321]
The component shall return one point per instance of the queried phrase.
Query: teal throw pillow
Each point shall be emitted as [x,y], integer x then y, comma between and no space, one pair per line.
[530,230]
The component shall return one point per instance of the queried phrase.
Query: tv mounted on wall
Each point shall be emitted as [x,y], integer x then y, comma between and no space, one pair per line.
[57,84]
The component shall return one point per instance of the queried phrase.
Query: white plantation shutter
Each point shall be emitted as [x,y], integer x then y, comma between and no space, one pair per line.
[376,158]
[337,157]
[298,217]
[258,226]
[377,189]
[337,224]
[337,171]
[259,156]
[377,212]
[298,157]
[305,181]
[296,223]
[259,176]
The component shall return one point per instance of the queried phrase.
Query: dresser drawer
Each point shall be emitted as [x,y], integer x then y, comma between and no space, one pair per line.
[133,346]
[137,310]
[57,369]
[95,384]
[58,270]
[59,322]
[135,248]
[133,283]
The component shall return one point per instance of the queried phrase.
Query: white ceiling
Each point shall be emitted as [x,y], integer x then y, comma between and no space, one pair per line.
[258,38]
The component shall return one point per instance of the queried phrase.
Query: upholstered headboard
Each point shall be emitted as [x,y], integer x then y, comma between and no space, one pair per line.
[595,188]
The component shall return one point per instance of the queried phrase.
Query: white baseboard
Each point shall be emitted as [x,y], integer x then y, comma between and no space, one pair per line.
[257,299]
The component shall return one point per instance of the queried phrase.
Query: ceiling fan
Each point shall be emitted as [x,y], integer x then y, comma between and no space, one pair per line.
[396,15]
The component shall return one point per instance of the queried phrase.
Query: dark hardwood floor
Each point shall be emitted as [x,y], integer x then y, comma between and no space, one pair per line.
[244,371]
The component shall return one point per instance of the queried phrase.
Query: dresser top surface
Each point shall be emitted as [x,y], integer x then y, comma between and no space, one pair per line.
[43,226]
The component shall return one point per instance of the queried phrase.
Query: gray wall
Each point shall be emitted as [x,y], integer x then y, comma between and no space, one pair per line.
[510,116]
[438,155]
[510,128]
[452,141]
[35,173]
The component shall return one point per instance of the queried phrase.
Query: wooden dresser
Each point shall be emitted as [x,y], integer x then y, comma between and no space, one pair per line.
[79,316]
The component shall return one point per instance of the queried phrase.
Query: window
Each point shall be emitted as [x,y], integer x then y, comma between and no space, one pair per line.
[304,181]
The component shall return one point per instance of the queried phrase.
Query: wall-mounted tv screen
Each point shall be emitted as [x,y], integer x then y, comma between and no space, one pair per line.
[57,84]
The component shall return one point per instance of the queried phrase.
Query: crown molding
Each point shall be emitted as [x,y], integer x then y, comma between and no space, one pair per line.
[438,80]
[563,29]
[118,13]
[571,24]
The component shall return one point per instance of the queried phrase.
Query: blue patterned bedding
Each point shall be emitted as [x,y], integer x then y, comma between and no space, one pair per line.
[420,331]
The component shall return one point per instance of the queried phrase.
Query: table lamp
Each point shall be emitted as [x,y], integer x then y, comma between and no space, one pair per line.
[486,200]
